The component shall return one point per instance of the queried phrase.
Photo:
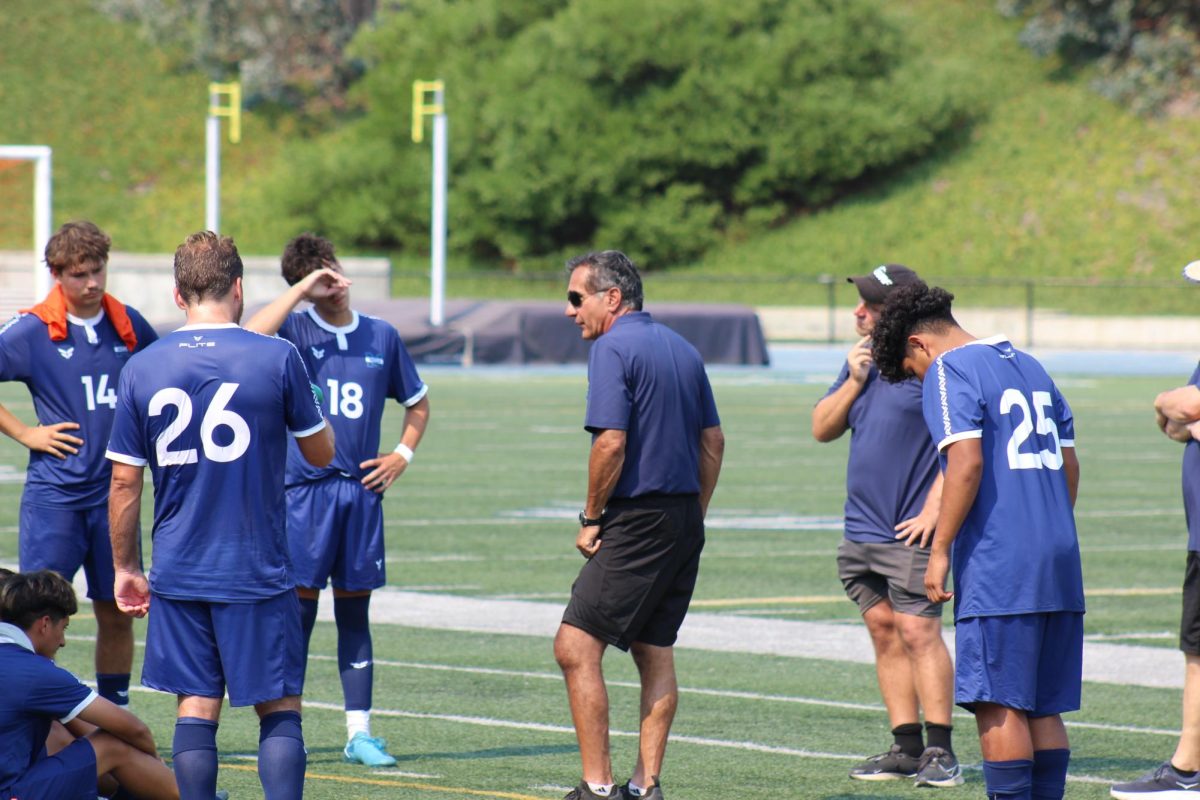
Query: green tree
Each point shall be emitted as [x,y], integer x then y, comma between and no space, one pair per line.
[650,127]
[1146,50]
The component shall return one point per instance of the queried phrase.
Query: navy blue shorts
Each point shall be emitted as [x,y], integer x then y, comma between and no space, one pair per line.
[69,774]
[1030,662]
[335,529]
[65,540]
[201,649]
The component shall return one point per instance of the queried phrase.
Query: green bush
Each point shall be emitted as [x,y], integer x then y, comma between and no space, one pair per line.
[651,127]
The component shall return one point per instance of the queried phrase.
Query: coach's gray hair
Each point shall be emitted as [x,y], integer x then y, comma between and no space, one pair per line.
[609,268]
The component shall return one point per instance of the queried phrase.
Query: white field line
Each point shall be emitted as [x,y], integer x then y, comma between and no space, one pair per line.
[701,741]
[1133,665]
[686,690]
[728,693]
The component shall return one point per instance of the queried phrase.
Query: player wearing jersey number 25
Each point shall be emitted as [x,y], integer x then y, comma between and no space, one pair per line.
[209,409]
[1006,440]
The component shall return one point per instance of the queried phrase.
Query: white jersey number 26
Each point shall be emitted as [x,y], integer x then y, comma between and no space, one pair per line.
[1049,459]
[215,416]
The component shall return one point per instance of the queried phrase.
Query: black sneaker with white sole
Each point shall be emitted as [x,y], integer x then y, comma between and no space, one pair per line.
[892,765]
[939,768]
[1161,783]
[584,792]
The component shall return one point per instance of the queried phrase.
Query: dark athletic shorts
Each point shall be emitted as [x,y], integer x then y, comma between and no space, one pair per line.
[638,585]
[875,571]
[1189,624]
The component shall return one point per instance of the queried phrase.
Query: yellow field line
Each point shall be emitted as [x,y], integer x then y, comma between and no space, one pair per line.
[425,787]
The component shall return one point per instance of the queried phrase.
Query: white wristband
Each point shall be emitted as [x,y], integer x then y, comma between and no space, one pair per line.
[405,452]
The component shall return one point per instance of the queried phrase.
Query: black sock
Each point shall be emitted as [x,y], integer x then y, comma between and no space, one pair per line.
[1183,773]
[939,736]
[908,736]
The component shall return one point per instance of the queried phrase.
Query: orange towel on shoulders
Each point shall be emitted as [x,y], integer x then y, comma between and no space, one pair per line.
[53,312]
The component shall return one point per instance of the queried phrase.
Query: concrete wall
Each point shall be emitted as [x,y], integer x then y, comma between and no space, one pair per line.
[145,281]
[1049,328]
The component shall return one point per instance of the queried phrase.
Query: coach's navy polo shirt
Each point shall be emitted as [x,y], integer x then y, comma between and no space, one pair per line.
[647,380]
[892,459]
[1191,482]
[34,691]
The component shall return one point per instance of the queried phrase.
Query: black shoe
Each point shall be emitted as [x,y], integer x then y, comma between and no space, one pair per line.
[584,792]
[652,793]
[1161,783]
[889,766]
[939,768]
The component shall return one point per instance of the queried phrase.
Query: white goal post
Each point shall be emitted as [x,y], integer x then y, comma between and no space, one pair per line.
[40,156]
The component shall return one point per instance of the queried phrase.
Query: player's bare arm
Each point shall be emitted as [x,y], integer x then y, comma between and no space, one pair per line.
[317,449]
[113,719]
[313,286]
[604,469]
[830,417]
[385,469]
[712,453]
[131,589]
[919,529]
[964,470]
[1071,470]
[52,439]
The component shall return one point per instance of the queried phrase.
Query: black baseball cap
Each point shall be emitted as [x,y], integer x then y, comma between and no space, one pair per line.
[878,284]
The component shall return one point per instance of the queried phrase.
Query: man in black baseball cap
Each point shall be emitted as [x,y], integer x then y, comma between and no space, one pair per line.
[875,286]
[892,507]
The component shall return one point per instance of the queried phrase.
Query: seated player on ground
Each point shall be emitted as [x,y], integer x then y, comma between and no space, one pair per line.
[114,752]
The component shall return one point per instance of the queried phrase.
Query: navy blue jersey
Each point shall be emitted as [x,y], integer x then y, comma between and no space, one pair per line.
[1017,551]
[74,380]
[34,692]
[1191,482]
[357,368]
[647,380]
[209,409]
[892,460]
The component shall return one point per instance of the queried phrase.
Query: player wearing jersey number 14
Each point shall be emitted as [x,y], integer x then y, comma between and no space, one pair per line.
[209,409]
[1006,440]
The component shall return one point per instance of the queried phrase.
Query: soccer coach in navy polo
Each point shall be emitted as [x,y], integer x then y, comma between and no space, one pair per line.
[655,457]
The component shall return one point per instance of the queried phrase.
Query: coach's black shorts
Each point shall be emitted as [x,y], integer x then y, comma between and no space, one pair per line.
[638,585]
[1189,624]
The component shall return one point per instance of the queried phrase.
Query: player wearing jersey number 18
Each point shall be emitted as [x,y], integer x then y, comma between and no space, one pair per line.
[1006,440]
[209,408]
[335,513]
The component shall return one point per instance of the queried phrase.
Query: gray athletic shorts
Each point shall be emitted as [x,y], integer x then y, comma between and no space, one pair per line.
[874,571]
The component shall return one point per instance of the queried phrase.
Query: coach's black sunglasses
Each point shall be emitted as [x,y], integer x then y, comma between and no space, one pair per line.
[576,299]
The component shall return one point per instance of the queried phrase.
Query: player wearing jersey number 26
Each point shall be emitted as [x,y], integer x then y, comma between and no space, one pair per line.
[209,409]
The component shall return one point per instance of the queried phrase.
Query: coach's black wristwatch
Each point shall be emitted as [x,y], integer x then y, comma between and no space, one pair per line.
[587,522]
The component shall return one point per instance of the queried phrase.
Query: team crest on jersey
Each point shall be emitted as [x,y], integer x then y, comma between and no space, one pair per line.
[317,352]
[120,349]
[374,361]
[66,352]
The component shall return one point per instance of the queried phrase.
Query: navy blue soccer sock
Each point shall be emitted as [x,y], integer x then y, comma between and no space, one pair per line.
[1050,774]
[308,621]
[281,756]
[194,758]
[113,686]
[354,650]
[1008,780]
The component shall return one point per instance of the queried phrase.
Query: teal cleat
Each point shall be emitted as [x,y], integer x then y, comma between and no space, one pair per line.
[363,749]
